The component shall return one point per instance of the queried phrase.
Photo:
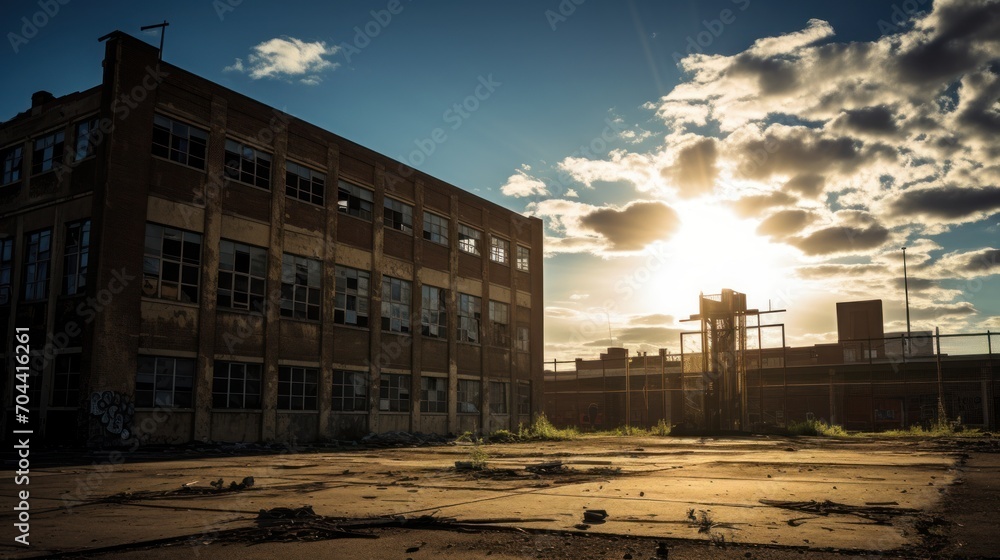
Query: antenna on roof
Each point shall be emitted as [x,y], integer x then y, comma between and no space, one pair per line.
[163,31]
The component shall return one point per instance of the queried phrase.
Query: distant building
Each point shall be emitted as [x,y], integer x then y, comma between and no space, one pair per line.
[867,380]
[196,265]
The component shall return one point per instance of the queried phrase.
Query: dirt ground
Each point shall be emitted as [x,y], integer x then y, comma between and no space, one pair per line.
[595,497]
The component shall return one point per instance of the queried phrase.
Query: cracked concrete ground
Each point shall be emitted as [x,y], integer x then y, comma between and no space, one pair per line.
[759,497]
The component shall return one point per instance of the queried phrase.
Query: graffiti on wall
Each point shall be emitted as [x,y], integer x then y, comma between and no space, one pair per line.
[115,411]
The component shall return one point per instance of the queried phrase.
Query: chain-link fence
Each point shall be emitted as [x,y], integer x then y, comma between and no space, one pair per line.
[871,384]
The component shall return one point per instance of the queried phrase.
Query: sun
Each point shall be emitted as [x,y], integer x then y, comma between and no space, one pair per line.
[715,249]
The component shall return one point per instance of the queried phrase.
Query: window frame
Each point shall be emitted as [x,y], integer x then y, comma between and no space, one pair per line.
[174,389]
[254,297]
[259,163]
[37,265]
[79,255]
[89,148]
[6,270]
[49,160]
[428,327]
[348,193]
[66,381]
[344,379]
[389,382]
[499,250]
[499,406]
[183,262]
[395,315]
[12,159]
[470,314]
[397,215]
[247,371]
[178,143]
[311,305]
[306,181]
[469,239]
[341,277]
[440,389]
[463,396]
[524,405]
[523,344]
[436,228]
[294,384]
[499,314]
[523,261]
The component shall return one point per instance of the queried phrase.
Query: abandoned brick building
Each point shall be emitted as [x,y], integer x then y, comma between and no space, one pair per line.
[196,266]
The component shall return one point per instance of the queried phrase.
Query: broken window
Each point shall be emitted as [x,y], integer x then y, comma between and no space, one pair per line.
[171,264]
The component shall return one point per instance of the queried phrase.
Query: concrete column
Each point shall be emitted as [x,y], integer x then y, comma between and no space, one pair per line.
[416,333]
[453,311]
[272,306]
[329,295]
[485,329]
[375,312]
[211,234]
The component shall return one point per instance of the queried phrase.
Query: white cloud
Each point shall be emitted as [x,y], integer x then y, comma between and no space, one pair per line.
[520,184]
[287,57]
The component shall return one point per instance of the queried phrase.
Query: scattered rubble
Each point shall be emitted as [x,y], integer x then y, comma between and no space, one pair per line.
[403,439]
[878,512]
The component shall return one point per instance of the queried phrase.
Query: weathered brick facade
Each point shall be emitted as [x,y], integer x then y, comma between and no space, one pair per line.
[139,333]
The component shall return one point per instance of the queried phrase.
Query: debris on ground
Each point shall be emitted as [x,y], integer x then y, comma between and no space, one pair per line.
[594,515]
[880,514]
[219,485]
[403,439]
[552,467]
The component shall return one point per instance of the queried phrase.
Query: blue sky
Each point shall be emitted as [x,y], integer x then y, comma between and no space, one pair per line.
[668,147]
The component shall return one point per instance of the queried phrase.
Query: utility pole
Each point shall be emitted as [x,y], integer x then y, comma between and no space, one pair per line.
[906,289]
[163,32]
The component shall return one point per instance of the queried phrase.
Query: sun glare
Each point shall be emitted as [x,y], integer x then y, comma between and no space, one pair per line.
[714,249]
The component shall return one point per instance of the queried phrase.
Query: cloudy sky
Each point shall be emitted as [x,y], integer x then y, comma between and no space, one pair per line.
[787,150]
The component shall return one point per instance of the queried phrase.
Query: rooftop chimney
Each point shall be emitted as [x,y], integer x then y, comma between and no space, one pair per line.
[40,98]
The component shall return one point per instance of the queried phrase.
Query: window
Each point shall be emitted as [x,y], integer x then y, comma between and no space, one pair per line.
[164,382]
[433,312]
[12,159]
[433,394]
[297,388]
[350,391]
[300,287]
[499,249]
[355,201]
[500,323]
[248,165]
[469,314]
[398,215]
[469,395]
[66,380]
[179,142]
[6,269]
[524,397]
[394,393]
[435,228]
[75,257]
[498,397]
[171,264]
[304,183]
[242,270]
[48,152]
[523,342]
[351,305]
[36,265]
[523,257]
[236,385]
[87,137]
[395,305]
[468,239]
